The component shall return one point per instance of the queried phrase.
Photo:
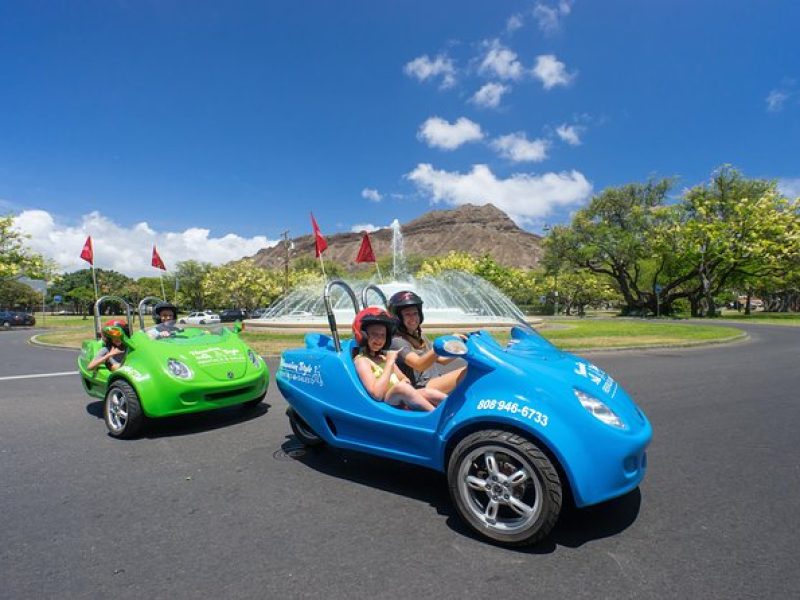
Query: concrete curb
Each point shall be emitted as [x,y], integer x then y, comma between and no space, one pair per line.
[742,337]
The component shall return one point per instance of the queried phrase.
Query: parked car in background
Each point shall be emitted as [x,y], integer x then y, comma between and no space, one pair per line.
[200,317]
[258,313]
[232,314]
[11,318]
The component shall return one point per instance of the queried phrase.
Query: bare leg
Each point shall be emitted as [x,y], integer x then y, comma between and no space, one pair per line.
[433,396]
[409,395]
[447,383]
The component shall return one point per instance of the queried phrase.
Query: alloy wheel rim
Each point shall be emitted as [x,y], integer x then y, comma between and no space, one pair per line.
[500,489]
[117,410]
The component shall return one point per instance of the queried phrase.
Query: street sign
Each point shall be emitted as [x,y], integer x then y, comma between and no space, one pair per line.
[659,287]
[57,299]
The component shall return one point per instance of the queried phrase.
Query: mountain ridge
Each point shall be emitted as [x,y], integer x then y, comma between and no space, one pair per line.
[477,230]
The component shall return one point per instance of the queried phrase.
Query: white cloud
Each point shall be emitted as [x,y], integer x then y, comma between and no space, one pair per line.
[524,197]
[789,187]
[776,99]
[518,148]
[514,22]
[438,133]
[550,17]
[501,62]
[424,68]
[570,134]
[490,95]
[129,249]
[551,71]
[368,227]
[371,194]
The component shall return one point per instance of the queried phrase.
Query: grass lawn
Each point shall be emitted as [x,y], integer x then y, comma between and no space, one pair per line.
[569,335]
[763,318]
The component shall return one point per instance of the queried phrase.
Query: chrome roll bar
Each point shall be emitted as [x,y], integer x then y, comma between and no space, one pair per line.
[329,308]
[97,305]
[145,301]
[375,289]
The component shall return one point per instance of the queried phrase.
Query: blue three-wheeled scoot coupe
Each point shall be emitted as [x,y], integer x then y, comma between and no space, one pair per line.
[526,422]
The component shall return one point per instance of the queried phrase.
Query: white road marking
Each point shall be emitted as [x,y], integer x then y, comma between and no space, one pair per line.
[39,375]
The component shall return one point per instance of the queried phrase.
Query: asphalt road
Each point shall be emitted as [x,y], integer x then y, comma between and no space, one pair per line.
[223,505]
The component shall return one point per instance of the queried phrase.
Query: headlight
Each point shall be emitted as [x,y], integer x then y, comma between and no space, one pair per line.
[599,410]
[253,358]
[178,369]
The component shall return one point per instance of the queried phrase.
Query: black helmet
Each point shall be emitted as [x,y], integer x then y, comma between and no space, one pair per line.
[402,299]
[373,315]
[163,306]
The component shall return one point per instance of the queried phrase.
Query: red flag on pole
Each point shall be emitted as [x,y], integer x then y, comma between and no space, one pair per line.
[87,253]
[365,253]
[157,262]
[320,245]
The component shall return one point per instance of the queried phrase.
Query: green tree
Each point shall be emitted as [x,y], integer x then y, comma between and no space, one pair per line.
[190,275]
[15,294]
[15,259]
[241,285]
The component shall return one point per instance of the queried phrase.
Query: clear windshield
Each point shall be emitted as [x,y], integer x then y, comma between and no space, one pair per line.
[173,331]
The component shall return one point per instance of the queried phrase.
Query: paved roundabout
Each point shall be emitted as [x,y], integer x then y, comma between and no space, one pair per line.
[228,505]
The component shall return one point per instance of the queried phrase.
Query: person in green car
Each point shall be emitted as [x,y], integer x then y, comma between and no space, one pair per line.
[112,354]
[164,314]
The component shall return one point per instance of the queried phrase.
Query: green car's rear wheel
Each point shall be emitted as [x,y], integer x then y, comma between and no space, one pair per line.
[122,410]
[301,429]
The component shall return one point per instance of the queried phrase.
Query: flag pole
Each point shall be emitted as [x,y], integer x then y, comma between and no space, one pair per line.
[163,293]
[322,264]
[379,271]
[94,280]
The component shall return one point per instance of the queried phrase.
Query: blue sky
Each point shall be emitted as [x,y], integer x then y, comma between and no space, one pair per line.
[220,125]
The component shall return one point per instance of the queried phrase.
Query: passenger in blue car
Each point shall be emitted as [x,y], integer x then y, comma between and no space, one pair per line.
[415,355]
[383,380]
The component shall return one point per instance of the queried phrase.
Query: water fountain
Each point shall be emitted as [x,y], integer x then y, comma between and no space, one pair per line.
[452,299]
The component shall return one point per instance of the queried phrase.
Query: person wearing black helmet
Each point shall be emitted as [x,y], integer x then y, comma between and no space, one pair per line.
[164,315]
[376,364]
[415,355]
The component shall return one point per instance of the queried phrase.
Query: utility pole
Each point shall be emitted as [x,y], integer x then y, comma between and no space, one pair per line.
[287,248]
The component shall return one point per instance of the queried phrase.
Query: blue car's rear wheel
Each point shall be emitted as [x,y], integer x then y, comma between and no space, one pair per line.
[122,410]
[504,487]
[301,429]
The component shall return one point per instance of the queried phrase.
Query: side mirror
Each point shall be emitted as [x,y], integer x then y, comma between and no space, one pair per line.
[450,345]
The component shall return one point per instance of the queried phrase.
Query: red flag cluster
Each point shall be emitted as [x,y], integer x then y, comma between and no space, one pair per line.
[87,254]
[365,252]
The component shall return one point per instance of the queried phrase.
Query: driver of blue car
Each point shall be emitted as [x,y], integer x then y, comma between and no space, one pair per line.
[415,355]
[375,363]
[164,314]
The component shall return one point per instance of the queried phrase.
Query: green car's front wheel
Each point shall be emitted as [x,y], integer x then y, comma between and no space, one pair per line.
[122,410]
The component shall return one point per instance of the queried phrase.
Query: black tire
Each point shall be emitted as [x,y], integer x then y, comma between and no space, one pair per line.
[302,431]
[182,321]
[514,497]
[122,410]
[202,322]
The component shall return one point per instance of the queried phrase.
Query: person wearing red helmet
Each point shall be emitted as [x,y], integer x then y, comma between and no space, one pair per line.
[112,354]
[375,363]
[415,355]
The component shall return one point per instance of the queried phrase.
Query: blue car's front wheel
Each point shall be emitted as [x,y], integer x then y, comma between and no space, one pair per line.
[505,487]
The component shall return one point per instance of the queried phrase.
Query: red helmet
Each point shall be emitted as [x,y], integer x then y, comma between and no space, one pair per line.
[373,315]
[114,329]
